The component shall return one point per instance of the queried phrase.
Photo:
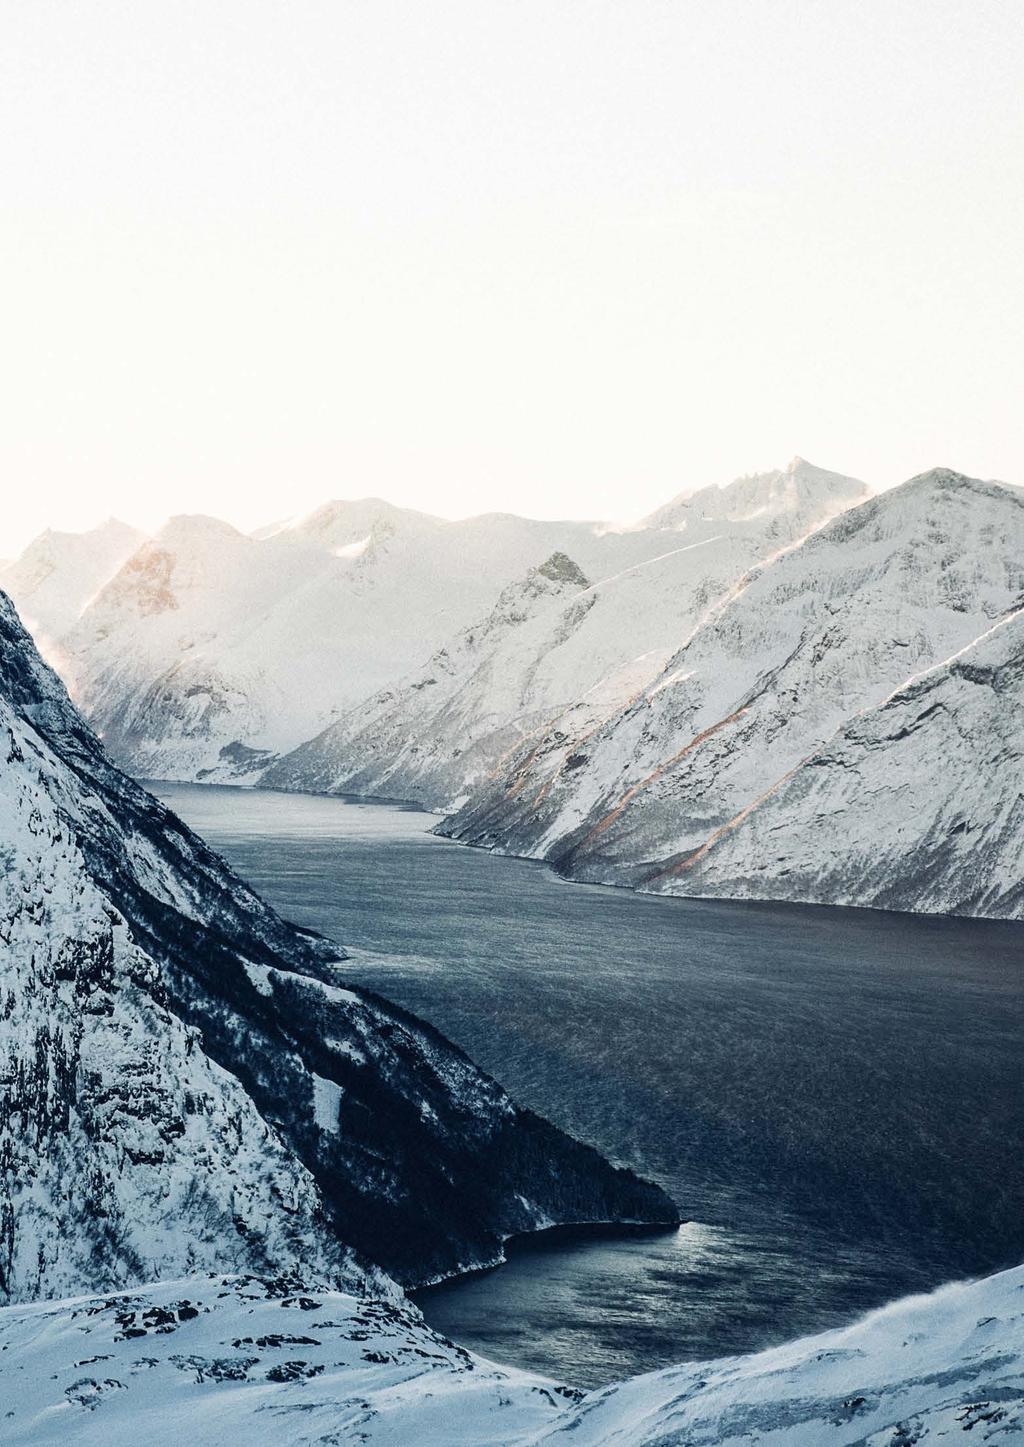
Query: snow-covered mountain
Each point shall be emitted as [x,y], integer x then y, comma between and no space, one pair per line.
[664,793]
[789,500]
[187,1083]
[58,573]
[247,1362]
[556,637]
[210,652]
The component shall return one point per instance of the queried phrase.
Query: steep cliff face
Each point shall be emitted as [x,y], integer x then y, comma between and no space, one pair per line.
[186,1080]
[554,640]
[916,804]
[822,633]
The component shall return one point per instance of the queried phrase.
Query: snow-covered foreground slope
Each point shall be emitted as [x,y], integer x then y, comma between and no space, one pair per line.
[59,573]
[669,793]
[556,637]
[240,1361]
[186,1081]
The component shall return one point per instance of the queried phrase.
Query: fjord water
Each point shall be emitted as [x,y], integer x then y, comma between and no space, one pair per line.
[834,1098]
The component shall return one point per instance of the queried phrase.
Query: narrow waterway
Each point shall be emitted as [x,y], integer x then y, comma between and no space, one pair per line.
[835,1098]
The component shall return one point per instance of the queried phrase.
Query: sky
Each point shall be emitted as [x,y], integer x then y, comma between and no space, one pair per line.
[542,256]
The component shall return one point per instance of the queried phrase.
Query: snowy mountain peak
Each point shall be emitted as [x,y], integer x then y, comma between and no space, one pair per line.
[940,503]
[694,770]
[937,479]
[190,529]
[801,486]
[59,572]
[342,522]
[560,568]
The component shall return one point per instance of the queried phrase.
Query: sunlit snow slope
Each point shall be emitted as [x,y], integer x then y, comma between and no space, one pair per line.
[688,787]
[58,575]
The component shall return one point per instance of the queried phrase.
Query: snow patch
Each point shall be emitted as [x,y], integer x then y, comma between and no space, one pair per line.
[327,1096]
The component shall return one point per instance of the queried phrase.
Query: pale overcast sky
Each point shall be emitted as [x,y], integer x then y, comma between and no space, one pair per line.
[556,258]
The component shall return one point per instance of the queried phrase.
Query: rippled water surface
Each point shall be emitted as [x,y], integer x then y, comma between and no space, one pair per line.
[835,1098]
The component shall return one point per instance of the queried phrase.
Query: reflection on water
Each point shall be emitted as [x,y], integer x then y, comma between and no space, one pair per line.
[585,1310]
[837,1096]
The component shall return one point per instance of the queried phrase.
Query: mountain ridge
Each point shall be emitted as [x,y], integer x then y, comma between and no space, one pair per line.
[822,632]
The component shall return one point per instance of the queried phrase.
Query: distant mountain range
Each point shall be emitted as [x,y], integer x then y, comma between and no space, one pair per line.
[207,654]
[559,636]
[717,700]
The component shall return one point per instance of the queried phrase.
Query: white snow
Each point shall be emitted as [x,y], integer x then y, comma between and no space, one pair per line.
[59,573]
[689,787]
[927,789]
[259,977]
[549,640]
[241,1363]
[327,1096]
[210,651]
[158,1160]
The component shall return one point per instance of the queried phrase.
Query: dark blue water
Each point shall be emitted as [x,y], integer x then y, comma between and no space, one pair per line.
[835,1097]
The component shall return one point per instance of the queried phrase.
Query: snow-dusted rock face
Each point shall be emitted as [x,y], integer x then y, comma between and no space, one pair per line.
[439,733]
[59,573]
[247,1361]
[553,639]
[788,501]
[916,804]
[186,1081]
[824,632]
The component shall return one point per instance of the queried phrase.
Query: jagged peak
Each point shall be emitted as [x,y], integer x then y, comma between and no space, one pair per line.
[758,492]
[903,509]
[948,479]
[938,482]
[560,568]
[542,587]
